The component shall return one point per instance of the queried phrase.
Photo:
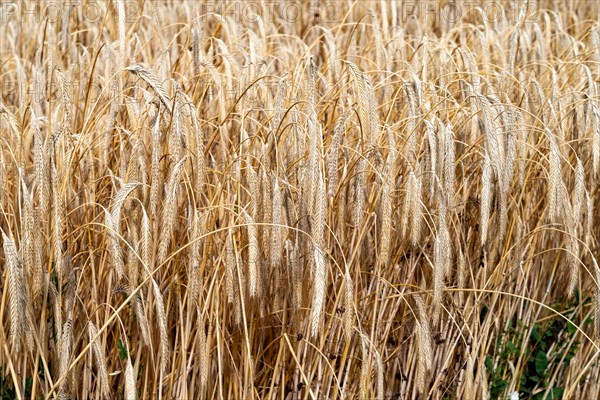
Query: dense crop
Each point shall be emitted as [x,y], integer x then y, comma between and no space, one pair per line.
[299,200]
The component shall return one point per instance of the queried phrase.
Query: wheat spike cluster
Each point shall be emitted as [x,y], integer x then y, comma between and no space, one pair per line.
[299,200]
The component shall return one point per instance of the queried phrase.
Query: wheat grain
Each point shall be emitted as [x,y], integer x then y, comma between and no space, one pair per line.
[431,156]
[414,205]
[277,234]
[358,206]
[100,361]
[438,275]
[155,172]
[229,267]
[130,392]
[348,305]
[486,189]
[386,220]
[152,80]
[146,243]
[161,317]
[363,103]
[57,217]
[425,352]
[169,211]
[66,342]
[469,386]
[589,219]
[176,134]
[16,293]
[204,361]
[31,268]
[320,284]
[65,97]
[578,191]
[196,231]
[254,286]
[266,209]
[333,154]
[296,273]
[449,160]
[114,247]
[554,178]
[365,368]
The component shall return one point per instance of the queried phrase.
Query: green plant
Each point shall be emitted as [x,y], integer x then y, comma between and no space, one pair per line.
[549,346]
[7,390]
[122,350]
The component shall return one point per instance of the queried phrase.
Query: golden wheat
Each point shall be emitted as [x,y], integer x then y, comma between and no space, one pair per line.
[287,200]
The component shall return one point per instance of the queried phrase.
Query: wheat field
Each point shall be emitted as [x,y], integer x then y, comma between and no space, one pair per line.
[325,199]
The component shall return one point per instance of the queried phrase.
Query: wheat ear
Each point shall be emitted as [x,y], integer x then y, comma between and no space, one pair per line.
[130,392]
[485,202]
[253,258]
[100,360]
[169,211]
[16,293]
[162,327]
[425,352]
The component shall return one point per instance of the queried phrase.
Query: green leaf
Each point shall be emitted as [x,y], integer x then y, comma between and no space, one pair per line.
[122,350]
[556,393]
[541,363]
[511,347]
[535,334]
[498,387]
[483,313]
[489,364]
